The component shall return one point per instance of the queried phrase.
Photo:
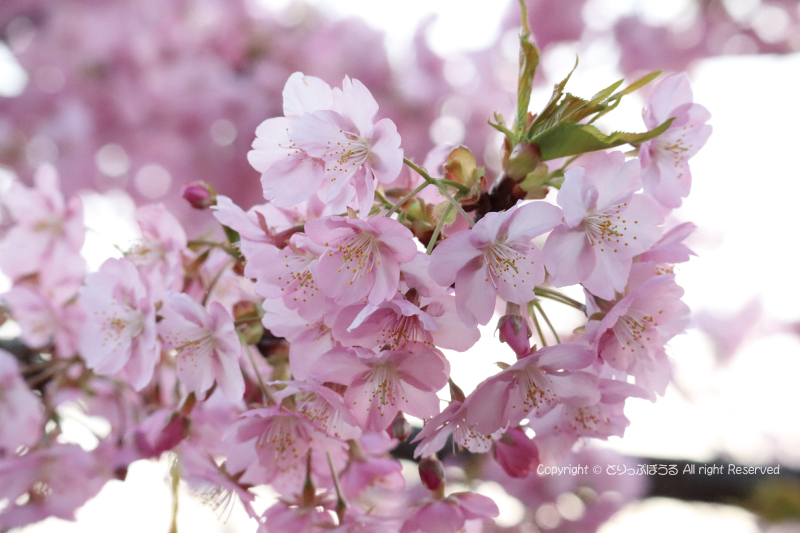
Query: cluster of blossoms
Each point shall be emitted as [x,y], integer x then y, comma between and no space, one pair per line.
[106,97]
[291,353]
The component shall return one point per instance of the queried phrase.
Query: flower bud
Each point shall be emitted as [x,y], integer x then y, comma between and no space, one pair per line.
[431,472]
[401,428]
[522,160]
[515,332]
[199,194]
[516,453]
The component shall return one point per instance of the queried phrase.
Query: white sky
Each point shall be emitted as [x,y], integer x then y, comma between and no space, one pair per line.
[744,198]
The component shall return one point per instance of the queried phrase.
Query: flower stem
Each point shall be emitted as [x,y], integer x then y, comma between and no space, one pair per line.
[437,230]
[441,188]
[538,306]
[532,313]
[406,198]
[558,297]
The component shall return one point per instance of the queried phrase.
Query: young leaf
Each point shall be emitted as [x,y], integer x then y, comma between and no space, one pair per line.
[528,61]
[569,138]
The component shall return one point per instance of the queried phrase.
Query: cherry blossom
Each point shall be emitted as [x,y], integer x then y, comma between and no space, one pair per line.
[119,334]
[206,345]
[449,514]
[631,336]
[46,229]
[605,225]
[496,258]
[380,385]
[362,259]
[21,414]
[533,386]
[665,159]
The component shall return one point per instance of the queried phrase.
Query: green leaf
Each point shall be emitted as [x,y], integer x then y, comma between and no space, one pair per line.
[545,119]
[528,61]
[232,235]
[570,138]
[638,84]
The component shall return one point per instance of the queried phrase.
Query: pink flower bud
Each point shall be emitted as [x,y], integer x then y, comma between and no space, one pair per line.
[401,428]
[199,194]
[516,453]
[431,472]
[515,332]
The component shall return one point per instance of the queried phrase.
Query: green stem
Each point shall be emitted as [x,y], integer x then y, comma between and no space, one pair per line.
[532,313]
[406,198]
[341,503]
[174,473]
[544,315]
[230,250]
[441,188]
[558,297]
[437,230]
[384,201]
[461,188]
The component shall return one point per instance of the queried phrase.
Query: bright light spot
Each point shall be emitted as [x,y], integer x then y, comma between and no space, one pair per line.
[112,160]
[511,509]
[153,181]
[660,13]
[547,516]
[741,10]
[223,132]
[447,130]
[570,506]
[771,23]
[13,77]
[111,222]
[662,515]
[459,71]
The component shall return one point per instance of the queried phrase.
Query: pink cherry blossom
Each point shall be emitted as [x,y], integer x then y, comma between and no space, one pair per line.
[46,317]
[119,334]
[449,514]
[326,137]
[380,385]
[601,420]
[452,421]
[281,440]
[533,386]
[356,150]
[158,256]
[45,228]
[495,258]
[670,248]
[324,407]
[404,321]
[206,344]
[632,335]
[289,175]
[363,257]
[308,338]
[605,225]
[288,273]
[21,415]
[294,515]
[212,482]
[665,159]
[56,480]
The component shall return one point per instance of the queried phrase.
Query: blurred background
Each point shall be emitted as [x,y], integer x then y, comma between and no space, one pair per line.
[130,99]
